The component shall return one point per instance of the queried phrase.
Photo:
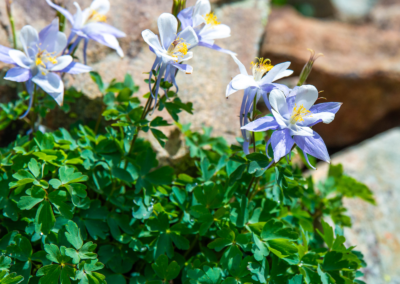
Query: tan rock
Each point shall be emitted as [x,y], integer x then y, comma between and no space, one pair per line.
[376,230]
[361,68]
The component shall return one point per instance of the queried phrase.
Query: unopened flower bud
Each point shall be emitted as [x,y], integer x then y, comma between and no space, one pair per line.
[308,67]
[178,5]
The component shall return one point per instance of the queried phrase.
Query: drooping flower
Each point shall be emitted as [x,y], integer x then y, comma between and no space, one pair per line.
[171,51]
[91,24]
[293,117]
[206,25]
[41,61]
[257,84]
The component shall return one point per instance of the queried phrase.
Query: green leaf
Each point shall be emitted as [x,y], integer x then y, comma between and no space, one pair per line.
[73,235]
[68,175]
[325,277]
[328,233]
[34,167]
[161,138]
[273,229]
[12,278]
[122,174]
[282,248]
[165,271]
[50,273]
[45,217]
[22,249]
[55,183]
[54,253]
[98,80]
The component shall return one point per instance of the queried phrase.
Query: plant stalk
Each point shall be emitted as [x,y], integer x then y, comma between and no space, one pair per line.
[11,19]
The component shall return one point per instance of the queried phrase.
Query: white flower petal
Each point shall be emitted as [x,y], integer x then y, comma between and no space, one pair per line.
[50,83]
[283,74]
[278,102]
[202,8]
[167,26]
[29,38]
[306,96]
[186,57]
[78,17]
[274,73]
[61,43]
[151,39]
[326,117]
[100,6]
[20,58]
[283,123]
[242,68]
[215,32]
[62,63]
[230,90]
[241,82]
[296,130]
[189,36]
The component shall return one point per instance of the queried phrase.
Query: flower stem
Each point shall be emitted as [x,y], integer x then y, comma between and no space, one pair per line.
[11,18]
[146,110]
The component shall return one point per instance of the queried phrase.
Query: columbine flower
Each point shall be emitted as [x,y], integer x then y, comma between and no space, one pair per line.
[205,24]
[293,117]
[40,61]
[172,50]
[258,84]
[90,24]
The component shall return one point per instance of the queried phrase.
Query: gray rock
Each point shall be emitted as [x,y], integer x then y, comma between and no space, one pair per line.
[376,229]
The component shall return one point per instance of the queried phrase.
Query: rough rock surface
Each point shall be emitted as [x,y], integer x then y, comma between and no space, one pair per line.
[375,162]
[360,68]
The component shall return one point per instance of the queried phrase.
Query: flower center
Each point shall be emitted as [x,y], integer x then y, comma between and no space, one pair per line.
[298,114]
[97,17]
[212,19]
[43,57]
[178,48]
[260,67]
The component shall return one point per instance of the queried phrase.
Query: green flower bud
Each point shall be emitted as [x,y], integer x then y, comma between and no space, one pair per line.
[308,67]
[177,6]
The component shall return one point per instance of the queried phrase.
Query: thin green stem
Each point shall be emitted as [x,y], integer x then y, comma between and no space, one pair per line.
[100,117]
[11,18]
[250,185]
[191,246]
[146,110]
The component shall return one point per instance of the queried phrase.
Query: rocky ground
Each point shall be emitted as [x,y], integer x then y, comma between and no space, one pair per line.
[361,68]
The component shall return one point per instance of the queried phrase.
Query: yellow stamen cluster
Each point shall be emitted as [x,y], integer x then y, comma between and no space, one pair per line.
[43,56]
[97,17]
[299,113]
[211,19]
[182,48]
[178,46]
[262,65]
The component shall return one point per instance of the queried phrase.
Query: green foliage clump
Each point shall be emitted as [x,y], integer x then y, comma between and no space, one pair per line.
[94,205]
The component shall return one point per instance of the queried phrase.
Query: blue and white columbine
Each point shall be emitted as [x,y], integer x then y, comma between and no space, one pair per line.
[171,51]
[205,24]
[41,62]
[293,117]
[257,84]
[90,24]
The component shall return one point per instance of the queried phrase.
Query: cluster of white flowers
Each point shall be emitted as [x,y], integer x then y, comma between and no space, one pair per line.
[49,53]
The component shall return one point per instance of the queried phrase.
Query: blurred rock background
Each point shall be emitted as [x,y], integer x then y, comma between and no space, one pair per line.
[361,68]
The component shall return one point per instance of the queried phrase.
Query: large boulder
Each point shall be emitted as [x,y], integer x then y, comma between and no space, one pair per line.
[360,68]
[376,230]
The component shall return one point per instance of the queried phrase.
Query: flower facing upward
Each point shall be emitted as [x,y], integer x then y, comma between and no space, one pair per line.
[41,61]
[171,50]
[257,84]
[206,25]
[293,117]
[91,24]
